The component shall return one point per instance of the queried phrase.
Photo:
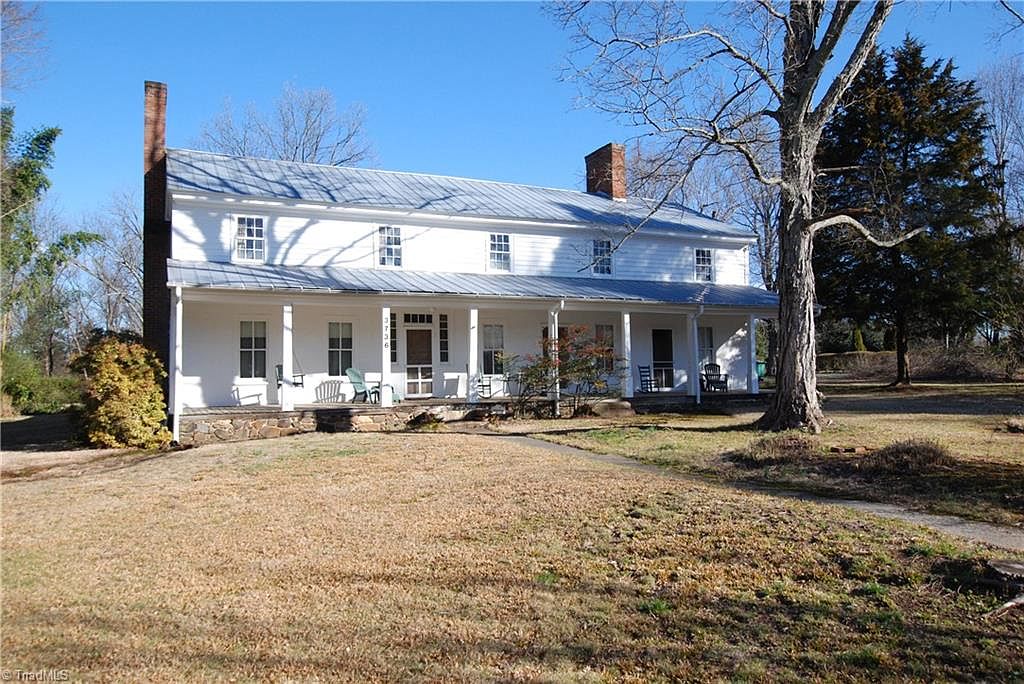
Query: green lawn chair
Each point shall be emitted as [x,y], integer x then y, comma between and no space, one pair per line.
[369,394]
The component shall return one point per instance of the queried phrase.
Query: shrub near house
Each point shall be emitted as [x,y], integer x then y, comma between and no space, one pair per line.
[124,404]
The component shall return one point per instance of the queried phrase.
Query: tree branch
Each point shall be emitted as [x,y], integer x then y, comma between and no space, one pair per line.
[866,42]
[846,220]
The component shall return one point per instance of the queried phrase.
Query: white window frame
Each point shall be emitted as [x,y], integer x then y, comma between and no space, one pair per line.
[394,259]
[237,254]
[341,348]
[608,340]
[443,340]
[706,349]
[492,352]
[506,252]
[601,264]
[253,350]
[699,268]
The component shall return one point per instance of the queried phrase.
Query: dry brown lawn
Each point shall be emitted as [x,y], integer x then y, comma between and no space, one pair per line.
[458,557]
[984,481]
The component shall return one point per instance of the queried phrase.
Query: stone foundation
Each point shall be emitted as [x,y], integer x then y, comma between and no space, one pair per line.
[401,417]
[229,425]
[213,427]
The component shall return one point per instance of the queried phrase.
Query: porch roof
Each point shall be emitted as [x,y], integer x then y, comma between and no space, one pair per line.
[267,277]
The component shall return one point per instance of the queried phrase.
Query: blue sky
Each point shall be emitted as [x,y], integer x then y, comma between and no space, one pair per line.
[462,89]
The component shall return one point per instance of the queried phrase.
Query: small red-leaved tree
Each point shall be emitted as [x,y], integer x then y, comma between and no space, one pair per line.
[583,365]
[124,406]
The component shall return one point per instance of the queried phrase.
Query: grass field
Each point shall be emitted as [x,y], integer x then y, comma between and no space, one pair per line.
[458,557]
[984,480]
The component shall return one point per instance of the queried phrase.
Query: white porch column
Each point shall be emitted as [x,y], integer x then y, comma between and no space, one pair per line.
[627,357]
[286,398]
[556,392]
[472,357]
[175,375]
[386,391]
[752,380]
[694,359]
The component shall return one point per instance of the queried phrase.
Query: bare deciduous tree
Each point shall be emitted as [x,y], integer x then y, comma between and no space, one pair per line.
[304,126]
[109,282]
[1002,86]
[763,74]
[1014,12]
[23,44]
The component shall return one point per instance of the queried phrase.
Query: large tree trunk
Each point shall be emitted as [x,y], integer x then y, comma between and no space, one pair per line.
[795,404]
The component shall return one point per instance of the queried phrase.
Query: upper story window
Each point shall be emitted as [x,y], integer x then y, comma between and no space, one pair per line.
[703,265]
[501,253]
[602,257]
[390,246]
[250,243]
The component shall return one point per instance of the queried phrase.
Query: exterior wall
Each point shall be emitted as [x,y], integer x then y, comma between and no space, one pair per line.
[205,233]
[211,346]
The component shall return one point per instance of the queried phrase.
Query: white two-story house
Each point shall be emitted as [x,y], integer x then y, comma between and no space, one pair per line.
[422,282]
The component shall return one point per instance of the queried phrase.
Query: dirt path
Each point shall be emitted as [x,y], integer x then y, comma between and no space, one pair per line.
[995,535]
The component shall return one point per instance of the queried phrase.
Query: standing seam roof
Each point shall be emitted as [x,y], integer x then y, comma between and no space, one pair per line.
[206,172]
[203,274]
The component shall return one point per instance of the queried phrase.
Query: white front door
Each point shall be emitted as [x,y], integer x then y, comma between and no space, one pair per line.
[419,362]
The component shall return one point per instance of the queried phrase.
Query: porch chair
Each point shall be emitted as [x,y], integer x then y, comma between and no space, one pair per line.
[298,379]
[714,379]
[646,379]
[369,394]
[487,385]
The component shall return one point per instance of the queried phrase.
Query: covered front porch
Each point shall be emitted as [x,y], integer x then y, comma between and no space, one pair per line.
[285,337]
[291,352]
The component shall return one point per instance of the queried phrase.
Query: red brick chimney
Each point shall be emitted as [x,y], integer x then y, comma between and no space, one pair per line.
[156,228]
[606,171]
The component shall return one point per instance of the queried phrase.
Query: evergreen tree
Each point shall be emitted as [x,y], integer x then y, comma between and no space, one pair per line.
[905,151]
[28,265]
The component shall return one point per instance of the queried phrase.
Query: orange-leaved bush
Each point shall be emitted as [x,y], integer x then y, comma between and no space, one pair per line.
[124,406]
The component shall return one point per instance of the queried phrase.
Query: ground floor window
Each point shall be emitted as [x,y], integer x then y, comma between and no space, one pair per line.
[393,325]
[604,338]
[442,337]
[494,346]
[253,349]
[339,347]
[706,345]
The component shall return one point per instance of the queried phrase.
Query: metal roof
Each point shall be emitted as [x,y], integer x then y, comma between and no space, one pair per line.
[206,172]
[266,277]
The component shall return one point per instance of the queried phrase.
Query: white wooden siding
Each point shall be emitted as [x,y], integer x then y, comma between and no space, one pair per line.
[206,233]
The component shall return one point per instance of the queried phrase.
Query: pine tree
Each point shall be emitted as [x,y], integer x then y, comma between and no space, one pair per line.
[905,151]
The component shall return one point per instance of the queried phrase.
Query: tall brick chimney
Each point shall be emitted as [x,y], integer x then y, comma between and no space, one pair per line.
[606,171]
[156,227]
